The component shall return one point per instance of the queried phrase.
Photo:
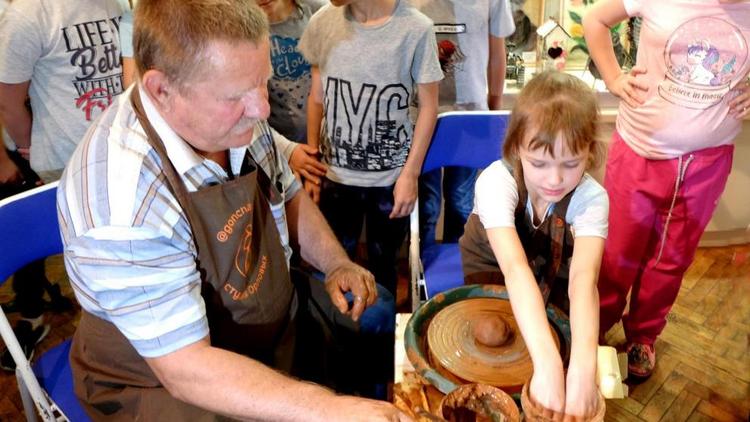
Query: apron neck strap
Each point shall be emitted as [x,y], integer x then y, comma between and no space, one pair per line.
[174,182]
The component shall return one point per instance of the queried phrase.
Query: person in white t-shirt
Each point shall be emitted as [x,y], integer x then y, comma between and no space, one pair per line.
[538,226]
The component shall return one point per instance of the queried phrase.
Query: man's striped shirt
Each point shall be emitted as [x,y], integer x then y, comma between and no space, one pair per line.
[129,250]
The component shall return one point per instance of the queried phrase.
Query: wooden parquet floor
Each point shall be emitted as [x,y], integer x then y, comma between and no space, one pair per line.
[703,356]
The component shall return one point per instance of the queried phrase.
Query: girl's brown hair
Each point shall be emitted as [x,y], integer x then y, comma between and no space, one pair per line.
[552,104]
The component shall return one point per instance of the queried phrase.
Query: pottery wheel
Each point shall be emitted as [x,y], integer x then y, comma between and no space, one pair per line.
[451,343]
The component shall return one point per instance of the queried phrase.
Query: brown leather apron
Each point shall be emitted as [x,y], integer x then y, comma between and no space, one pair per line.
[250,300]
[548,249]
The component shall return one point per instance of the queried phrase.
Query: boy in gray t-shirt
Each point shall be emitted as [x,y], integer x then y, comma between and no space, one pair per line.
[368,56]
[471,47]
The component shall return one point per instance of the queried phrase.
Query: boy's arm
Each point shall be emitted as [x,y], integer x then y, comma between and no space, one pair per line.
[405,191]
[596,25]
[301,158]
[581,392]
[314,108]
[496,73]
[15,116]
[9,172]
[547,384]
[314,122]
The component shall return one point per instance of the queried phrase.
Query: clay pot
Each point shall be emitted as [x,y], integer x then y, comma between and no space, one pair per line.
[534,412]
[478,403]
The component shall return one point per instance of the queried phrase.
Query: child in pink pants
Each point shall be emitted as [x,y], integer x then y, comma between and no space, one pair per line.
[682,107]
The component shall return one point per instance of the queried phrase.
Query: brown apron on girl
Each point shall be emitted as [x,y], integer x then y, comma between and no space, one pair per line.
[548,249]
[250,301]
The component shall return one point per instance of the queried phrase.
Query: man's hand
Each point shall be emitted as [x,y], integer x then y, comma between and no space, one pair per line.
[581,393]
[404,195]
[350,277]
[312,189]
[304,161]
[628,88]
[9,172]
[355,409]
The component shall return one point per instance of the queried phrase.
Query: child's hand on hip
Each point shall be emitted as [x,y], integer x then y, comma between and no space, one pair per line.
[628,88]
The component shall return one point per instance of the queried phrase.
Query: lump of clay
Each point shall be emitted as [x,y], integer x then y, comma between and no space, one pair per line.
[491,331]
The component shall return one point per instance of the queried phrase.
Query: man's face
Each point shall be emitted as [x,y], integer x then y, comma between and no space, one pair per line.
[219,109]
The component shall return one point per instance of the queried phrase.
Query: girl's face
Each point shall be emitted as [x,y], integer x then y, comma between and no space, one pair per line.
[549,179]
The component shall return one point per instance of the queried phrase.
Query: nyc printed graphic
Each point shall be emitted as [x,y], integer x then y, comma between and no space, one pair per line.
[93,48]
[703,57]
[367,125]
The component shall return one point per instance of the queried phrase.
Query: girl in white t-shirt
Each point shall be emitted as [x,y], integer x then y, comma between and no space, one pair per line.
[549,247]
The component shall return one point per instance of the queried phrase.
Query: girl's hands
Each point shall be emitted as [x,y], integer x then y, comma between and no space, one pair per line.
[547,389]
[581,394]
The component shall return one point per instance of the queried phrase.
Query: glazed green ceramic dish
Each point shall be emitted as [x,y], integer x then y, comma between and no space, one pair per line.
[416,329]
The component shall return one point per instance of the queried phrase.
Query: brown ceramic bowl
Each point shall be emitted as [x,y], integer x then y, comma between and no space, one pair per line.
[479,403]
[534,412]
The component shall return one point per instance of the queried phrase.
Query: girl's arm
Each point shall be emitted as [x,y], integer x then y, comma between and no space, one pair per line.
[405,191]
[596,24]
[314,121]
[496,73]
[581,392]
[547,384]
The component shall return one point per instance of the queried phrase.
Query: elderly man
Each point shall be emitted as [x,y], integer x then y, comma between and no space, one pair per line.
[177,213]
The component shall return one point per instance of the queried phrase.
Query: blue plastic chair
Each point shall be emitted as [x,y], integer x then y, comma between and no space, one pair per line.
[462,138]
[29,231]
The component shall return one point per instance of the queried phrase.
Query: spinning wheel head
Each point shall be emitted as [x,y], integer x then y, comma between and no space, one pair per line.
[478,340]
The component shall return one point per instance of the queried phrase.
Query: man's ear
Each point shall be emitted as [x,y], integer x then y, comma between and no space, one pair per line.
[159,89]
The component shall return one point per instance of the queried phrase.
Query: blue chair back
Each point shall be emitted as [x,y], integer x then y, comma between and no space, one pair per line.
[467,138]
[29,230]
[462,138]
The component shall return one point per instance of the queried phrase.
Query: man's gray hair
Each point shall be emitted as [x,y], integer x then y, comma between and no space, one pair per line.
[172,36]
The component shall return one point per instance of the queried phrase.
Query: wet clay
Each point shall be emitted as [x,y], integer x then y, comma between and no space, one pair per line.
[479,403]
[452,345]
[532,411]
[491,331]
